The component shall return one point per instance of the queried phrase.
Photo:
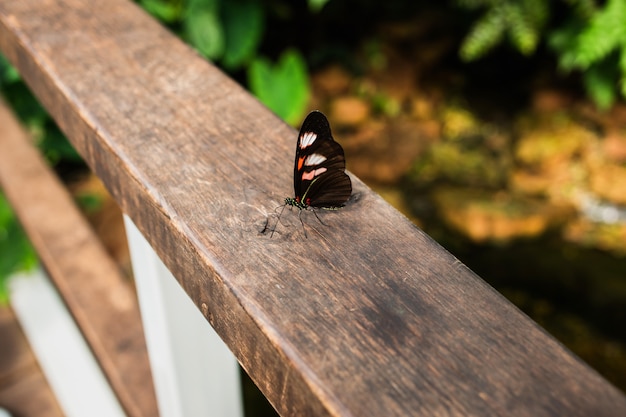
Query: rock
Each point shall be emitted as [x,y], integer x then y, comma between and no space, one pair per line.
[559,181]
[383,152]
[614,145]
[502,217]
[391,74]
[550,100]
[396,198]
[458,123]
[609,237]
[422,108]
[331,81]
[608,181]
[349,111]
[543,140]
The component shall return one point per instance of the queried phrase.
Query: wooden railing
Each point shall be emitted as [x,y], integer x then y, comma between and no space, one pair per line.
[368,316]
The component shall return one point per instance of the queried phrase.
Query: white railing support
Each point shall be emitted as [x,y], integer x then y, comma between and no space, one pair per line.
[194,373]
[70,368]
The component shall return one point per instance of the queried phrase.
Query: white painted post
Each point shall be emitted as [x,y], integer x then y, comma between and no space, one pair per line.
[194,373]
[64,356]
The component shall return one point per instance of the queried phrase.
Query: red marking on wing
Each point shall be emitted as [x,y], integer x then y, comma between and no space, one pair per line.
[312,174]
[300,162]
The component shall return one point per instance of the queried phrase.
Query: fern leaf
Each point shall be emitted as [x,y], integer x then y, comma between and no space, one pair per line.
[486,33]
[622,71]
[536,12]
[474,4]
[583,8]
[599,82]
[605,32]
[523,35]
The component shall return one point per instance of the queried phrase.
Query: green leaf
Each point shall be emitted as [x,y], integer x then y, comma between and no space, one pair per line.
[472,4]
[523,35]
[622,70]
[563,42]
[583,8]
[600,83]
[203,28]
[536,12]
[88,202]
[6,215]
[316,5]
[166,11]
[243,28]
[25,105]
[8,73]
[522,20]
[604,33]
[17,252]
[283,87]
[486,33]
[56,147]
[526,21]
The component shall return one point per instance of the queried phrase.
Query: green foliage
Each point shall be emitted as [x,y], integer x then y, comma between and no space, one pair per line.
[203,27]
[283,87]
[605,32]
[243,30]
[594,43]
[226,31]
[8,74]
[591,39]
[521,20]
[599,82]
[17,253]
[45,132]
[230,32]
[55,146]
[166,11]
[88,202]
[317,5]
[582,8]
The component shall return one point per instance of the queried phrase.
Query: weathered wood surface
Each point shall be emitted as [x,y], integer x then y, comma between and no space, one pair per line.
[24,391]
[367,317]
[101,301]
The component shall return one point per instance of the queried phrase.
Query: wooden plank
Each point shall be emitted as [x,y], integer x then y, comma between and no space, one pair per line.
[23,388]
[101,301]
[368,316]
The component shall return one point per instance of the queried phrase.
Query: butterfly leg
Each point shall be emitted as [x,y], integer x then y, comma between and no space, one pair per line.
[302,223]
[318,218]
[277,220]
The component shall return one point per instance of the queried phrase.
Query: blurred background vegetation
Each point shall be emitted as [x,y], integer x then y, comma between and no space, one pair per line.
[498,126]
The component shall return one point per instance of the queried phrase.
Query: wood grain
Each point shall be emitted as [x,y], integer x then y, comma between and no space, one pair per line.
[101,301]
[366,317]
[24,391]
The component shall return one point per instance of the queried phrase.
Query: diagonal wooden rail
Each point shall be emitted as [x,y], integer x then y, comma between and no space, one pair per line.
[366,317]
[94,290]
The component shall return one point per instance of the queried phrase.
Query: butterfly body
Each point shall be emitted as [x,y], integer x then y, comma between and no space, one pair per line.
[319,177]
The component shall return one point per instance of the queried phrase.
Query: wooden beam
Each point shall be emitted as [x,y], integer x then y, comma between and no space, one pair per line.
[100,299]
[23,387]
[368,316]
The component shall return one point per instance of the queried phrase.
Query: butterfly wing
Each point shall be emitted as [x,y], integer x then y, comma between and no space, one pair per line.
[319,171]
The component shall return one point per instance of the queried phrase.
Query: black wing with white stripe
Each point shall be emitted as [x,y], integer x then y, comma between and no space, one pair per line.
[319,176]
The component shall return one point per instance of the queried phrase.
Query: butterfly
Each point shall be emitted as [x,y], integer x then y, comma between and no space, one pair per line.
[319,177]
